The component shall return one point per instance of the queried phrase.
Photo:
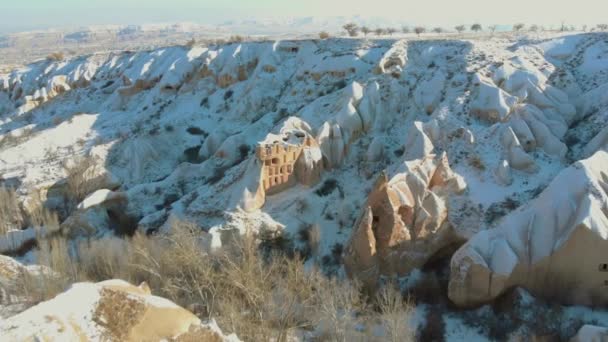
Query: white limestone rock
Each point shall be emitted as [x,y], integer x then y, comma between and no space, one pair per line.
[540,245]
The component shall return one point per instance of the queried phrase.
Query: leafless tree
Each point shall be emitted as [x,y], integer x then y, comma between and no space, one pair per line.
[437,30]
[460,28]
[602,27]
[476,27]
[518,27]
[366,30]
[352,29]
[379,31]
[405,29]
[419,29]
[533,28]
[391,30]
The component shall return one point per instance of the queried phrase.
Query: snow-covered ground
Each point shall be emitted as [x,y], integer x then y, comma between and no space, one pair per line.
[175,127]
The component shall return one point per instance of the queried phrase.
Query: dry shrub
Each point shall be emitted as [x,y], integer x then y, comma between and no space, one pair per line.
[82,178]
[323,35]
[477,163]
[53,253]
[394,314]
[56,56]
[10,212]
[338,303]
[190,43]
[38,214]
[259,297]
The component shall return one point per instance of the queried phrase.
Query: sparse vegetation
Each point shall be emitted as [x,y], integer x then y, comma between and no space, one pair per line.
[419,30]
[328,186]
[352,29]
[323,35]
[476,27]
[10,212]
[259,297]
[476,162]
[56,57]
[83,176]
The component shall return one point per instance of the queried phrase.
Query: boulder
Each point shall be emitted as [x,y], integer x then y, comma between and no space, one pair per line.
[591,333]
[556,245]
[112,310]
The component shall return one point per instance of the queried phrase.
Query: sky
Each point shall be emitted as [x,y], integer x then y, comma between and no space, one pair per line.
[18,15]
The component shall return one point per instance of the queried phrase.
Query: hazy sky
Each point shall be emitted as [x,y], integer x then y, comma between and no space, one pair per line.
[29,14]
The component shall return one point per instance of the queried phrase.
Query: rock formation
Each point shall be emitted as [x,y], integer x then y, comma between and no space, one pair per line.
[112,310]
[591,333]
[556,245]
[405,220]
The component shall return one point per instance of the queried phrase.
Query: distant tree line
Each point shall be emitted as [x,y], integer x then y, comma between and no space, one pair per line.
[353,30]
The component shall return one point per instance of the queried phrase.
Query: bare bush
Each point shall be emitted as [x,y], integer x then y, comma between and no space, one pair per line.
[518,27]
[258,296]
[394,313]
[56,57]
[437,30]
[602,27]
[366,30]
[236,39]
[379,31]
[190,43]
[391,30]
[323,35]
[405,29]
[460,28]
[534,28]
[10,212]
[82,178]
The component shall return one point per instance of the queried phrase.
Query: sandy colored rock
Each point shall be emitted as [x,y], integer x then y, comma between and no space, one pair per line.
[404,222]
[556,245]
[112,310]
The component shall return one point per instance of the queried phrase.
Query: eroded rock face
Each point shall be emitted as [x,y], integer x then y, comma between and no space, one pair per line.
[591,333]
[557,245]
[112,310]
[405,220]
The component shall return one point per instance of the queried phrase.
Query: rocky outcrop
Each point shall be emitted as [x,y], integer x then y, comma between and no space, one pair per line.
[405,220]
[98,212]
[591,333]
[556,245]
[491,103]
[112,310]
